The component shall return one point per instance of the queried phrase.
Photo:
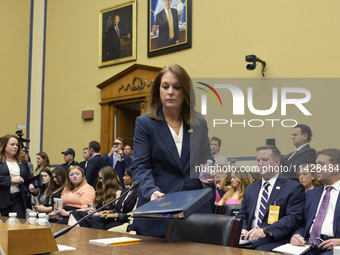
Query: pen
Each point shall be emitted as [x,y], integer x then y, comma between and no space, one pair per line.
[320,239]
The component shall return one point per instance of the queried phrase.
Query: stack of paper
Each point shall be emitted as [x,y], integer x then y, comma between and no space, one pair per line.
[114,240]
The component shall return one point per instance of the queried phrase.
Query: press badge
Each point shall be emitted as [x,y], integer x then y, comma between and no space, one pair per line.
[273,215]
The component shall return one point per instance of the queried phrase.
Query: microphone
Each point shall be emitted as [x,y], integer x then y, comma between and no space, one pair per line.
[67,229]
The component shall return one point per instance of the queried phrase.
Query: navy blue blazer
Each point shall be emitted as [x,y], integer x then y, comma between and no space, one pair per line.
[119,167]
[93,166]
[158,167]
[288,194]
[311,205]
[5,184]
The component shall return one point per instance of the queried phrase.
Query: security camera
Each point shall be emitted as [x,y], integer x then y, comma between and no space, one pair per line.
[251,66]
[253,58]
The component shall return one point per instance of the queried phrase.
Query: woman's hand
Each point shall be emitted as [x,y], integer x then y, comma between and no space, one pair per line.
[111,215]
[17,179]
[62,212]
[40,208]
[33,190]
[104,213]
[156,194]
[52,215]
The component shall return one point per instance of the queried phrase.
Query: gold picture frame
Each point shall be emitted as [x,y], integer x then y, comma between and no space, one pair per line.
[117,34]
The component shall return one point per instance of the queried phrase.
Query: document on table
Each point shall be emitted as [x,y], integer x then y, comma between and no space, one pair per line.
[65,248]
[114,240]
[292,249]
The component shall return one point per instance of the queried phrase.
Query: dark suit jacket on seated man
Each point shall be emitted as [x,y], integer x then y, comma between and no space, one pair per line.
[284,196]
[304,154]
[328,161]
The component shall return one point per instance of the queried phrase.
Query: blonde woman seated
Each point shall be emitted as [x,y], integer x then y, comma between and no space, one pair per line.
[307,177]
[108,189]
[77,194]
[239,182]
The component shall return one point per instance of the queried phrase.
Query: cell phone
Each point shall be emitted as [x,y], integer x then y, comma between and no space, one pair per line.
[115,144]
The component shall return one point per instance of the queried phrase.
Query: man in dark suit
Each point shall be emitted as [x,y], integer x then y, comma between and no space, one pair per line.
[322,208]
[303,154]
[94,164]
[272,208]
[112,38]
[115,158]
[167,23]
[87,157]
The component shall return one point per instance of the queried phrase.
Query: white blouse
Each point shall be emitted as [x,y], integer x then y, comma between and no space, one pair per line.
[178,138]
[14,171]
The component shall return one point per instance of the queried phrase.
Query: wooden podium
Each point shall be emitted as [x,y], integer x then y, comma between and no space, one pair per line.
[26,239]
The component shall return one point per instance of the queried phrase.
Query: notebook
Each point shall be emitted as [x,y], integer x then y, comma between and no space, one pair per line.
[174,205]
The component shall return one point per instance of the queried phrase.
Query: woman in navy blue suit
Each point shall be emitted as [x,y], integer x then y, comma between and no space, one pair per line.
[169,142]
[14,177]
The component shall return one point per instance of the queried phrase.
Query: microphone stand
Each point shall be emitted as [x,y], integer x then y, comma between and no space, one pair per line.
[67,229]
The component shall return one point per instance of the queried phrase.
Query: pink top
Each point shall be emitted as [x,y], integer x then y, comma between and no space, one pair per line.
[231,201]
[83,196]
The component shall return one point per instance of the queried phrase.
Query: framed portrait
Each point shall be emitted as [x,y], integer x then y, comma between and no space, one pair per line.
[169,26]
[117,34]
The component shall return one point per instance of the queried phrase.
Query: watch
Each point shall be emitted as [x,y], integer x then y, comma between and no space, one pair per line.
[267,232]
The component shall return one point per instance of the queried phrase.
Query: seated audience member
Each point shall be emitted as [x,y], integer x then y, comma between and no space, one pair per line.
[95,164]
[303,154]
[42,199]
[14,178]
[42,162]
[239,182]
[307,176]
[118,215]
[77,194]
[69,156]
[115,158]
[108,189]
[59,176]
[25,156]
[87,157]
[322,207]
[272,208]
[127,155]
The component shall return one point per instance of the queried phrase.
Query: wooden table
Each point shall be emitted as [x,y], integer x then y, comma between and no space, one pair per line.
[79,238]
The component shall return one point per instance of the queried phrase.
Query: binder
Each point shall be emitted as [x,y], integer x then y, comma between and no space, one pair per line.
[179,205]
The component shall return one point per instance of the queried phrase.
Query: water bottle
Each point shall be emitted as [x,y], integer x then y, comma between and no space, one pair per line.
[32,219]
[42,220]
[12,218]
[207,171]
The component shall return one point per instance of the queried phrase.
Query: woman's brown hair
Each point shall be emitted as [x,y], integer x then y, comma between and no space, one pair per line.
[188,108]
